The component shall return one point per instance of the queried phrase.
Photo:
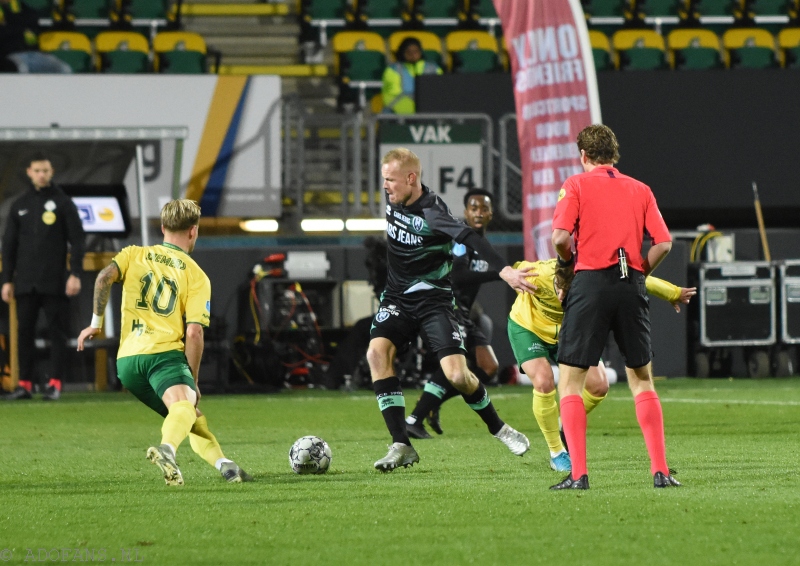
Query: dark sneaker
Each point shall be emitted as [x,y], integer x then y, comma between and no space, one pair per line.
[234,474]
[399,455]
[19,393]
[569,483]
[162,457]
[51,394]
[433,421]
[660,480]
[417,430]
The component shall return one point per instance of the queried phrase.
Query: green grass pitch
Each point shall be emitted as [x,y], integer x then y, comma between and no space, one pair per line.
[75,484]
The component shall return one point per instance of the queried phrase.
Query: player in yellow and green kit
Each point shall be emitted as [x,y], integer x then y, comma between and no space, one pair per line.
[533,327]
[166,301]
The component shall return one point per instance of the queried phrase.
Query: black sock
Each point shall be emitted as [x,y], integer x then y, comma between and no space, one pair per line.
[480,403]
[393,407]
[437,391]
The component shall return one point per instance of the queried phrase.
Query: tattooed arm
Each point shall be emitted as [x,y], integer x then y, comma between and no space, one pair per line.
[102,291]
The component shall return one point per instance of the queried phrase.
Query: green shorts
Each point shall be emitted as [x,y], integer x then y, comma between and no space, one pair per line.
[148,376]
[528,346]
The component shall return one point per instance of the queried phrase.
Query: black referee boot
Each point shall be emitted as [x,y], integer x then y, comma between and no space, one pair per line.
[661,480]
[569,483]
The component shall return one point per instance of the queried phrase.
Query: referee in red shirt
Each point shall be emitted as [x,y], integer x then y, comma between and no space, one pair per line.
[607,214]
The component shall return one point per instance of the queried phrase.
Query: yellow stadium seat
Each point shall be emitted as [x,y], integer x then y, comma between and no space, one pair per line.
[789,44]
[72,47]
[180,52]
[639,49]
[694,48]
[122,52]
[752,48]
[366,42]
[472,51]
[431,44]
[601,50]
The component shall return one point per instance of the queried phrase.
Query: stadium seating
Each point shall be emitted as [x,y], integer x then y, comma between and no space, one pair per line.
[383,9]
[749,48]
[639,49]
[716,7]
[656,8]
[317,16]
[44,8]
[601,50]
[789,44]
[122,52]
[605,8]
[72,47]
[180,52]
[767,7]
[472,52]
[360,59]
[694,48]
[439,16]
[431,44]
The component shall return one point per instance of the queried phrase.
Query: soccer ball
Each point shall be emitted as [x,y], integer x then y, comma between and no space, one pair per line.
[310,455]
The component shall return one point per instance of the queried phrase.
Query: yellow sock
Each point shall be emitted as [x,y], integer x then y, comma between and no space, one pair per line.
[204,443]
[545,409]
[590,401]
[178,423]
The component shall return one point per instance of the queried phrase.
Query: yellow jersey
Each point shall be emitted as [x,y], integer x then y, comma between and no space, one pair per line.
[163,290]
[541,312]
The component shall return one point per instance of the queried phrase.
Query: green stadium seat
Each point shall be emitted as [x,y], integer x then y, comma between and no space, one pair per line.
[769,7]
[472,51]
[180,52]
[122,52]
[382,9]
[94,9]
[360,59]
[44,8]
[601,50]
[639,49]
[789,44]
[431,44]
[750,48]
[71,47]
[716,7]
[605,8]
[148,9]
[661,7]
[694,48]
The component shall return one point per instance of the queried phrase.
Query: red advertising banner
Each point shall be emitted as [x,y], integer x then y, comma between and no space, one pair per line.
[555,92]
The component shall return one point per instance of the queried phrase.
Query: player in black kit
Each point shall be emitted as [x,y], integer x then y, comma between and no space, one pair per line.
[469,272]
[419,300]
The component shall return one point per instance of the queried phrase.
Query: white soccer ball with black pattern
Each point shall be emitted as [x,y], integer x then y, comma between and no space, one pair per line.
[310,455]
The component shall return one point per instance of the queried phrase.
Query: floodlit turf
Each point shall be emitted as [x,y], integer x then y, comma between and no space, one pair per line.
[75,480]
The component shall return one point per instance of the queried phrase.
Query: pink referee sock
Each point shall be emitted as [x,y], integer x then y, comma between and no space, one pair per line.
[573,419]
[651,421]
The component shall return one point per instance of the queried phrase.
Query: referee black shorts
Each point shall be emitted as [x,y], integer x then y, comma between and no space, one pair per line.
[599,302]
[429,313]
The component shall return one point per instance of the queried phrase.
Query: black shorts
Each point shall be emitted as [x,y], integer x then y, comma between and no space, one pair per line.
[473,333]
[429,314]
[599,302]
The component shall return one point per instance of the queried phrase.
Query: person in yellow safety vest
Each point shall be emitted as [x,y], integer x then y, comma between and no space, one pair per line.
[399,78]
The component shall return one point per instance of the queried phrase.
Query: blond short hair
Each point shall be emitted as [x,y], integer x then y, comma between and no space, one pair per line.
[406,158]
[179,215]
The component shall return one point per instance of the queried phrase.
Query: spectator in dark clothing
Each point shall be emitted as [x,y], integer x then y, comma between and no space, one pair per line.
[40,225]
[19,42]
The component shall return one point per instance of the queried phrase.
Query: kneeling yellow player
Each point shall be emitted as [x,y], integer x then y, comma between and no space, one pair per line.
[166,299]
[533,326]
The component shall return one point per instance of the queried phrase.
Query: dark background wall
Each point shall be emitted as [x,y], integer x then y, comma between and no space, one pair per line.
[697,138]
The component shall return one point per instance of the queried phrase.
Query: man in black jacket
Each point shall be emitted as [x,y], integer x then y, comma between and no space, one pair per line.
[40,224]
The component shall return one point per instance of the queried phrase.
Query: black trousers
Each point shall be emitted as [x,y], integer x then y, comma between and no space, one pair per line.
[56,312]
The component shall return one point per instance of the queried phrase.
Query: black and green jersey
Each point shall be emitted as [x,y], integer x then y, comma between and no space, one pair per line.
[420,240]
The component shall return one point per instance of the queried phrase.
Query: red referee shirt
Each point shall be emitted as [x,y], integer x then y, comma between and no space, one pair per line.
[605,210]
